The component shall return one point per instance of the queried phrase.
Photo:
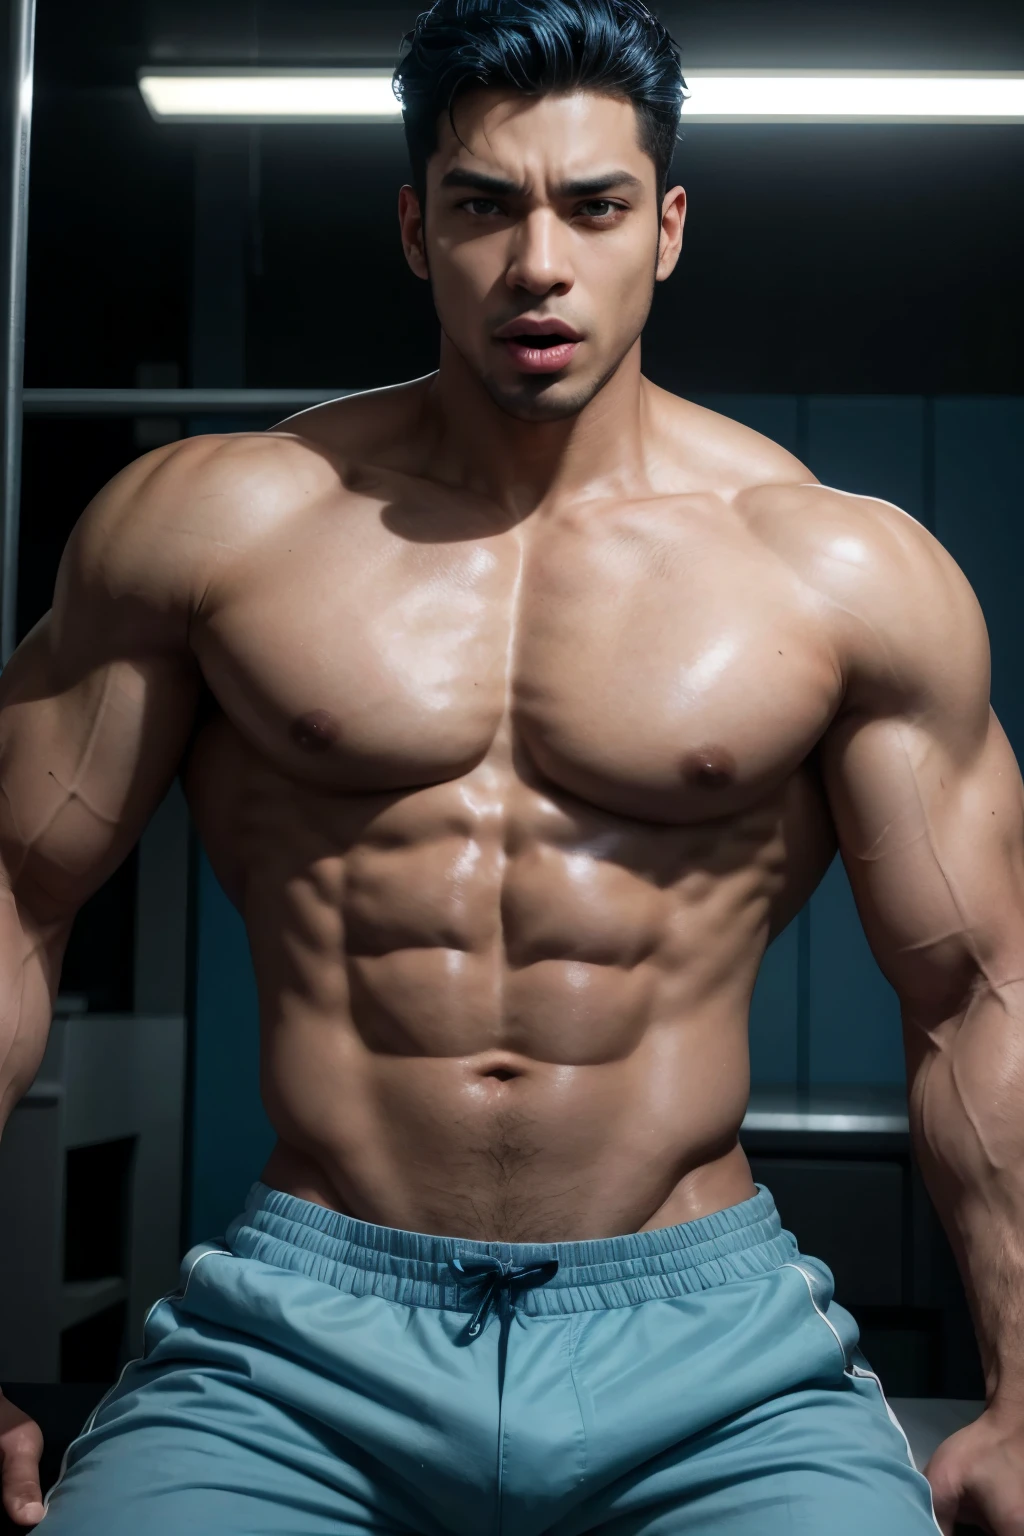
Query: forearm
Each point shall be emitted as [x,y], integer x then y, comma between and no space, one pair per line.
[31,951]
[967,1121]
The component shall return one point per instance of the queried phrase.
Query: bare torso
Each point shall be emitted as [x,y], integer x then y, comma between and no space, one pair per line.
[532,701]
[511,810]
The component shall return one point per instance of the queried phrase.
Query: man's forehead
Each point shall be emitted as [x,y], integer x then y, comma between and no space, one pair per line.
[568,134]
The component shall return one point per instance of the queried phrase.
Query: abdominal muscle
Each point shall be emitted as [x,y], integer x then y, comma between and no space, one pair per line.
[526,1151]
[499,1015]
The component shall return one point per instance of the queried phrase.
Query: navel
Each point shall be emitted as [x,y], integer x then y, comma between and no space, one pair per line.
[710,767]
[316,731]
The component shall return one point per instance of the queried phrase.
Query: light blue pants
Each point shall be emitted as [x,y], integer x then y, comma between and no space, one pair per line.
[319,1375]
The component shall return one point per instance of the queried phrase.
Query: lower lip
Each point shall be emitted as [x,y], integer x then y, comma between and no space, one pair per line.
[541,359]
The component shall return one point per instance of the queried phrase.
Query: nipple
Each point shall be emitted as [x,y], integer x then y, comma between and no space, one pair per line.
[710,767]
[315,731]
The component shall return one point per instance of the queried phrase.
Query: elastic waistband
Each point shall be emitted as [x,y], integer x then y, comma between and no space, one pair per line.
[413,1268]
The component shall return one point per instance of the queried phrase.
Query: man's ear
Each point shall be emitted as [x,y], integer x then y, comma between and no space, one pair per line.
[673,217]
[410,219]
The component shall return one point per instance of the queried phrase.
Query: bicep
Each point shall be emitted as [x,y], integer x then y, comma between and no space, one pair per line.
[83,764]
[95,710]
[929,812]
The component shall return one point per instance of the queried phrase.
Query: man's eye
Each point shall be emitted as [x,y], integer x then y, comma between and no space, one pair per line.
[480,206]
[599,208]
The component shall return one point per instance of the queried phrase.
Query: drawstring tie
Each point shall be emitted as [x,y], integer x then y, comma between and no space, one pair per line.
[495,1279]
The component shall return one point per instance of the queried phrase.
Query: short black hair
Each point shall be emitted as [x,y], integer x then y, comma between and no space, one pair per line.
[615,47]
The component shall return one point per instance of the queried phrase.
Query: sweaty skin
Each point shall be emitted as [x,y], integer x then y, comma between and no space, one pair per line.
[510,822]
[517,712]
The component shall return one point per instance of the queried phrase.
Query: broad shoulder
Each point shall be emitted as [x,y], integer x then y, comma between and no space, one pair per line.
[177,514]
[157,537]
[701,450]
[906,628]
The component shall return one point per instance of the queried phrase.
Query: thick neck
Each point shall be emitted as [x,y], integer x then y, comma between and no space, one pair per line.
[523,465]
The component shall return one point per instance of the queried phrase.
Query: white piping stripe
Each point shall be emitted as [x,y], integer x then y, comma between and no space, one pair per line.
[810,1291]
[858,1370]
[90,1421]
[197,1261]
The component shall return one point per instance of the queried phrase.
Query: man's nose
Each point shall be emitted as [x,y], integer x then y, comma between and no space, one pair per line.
[540,261]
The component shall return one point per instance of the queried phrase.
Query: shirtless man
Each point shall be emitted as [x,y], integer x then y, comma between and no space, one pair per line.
[518,708]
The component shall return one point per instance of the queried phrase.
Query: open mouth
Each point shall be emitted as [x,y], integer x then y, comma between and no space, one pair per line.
[539,343]
[545,353]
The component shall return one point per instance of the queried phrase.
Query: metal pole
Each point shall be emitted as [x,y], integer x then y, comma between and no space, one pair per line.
[23,39]
[174,402]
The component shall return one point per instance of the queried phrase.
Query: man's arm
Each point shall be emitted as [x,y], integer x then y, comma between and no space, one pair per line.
[929,811]
[95,710]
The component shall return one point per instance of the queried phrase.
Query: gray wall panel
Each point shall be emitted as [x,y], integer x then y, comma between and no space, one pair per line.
[231,1136]
[775,416]
[979,512]
[872,446]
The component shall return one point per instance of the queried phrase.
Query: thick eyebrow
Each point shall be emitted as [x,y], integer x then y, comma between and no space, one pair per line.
[593,186]
[498,186]
[478,181]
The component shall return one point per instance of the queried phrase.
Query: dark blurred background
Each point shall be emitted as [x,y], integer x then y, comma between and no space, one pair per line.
[854,291]
[818,259]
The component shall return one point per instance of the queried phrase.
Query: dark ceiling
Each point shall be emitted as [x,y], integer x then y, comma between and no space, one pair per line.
[834,259]
[104,41]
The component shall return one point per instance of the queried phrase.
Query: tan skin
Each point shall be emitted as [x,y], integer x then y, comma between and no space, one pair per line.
[532,707]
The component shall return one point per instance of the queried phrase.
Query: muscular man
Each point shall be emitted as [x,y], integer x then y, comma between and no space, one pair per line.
[535,702]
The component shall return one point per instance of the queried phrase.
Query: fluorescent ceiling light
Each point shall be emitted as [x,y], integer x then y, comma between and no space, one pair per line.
[270,95]
[365,95]
[852,96]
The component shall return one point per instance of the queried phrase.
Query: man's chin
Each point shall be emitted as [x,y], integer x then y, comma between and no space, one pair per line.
[540,399]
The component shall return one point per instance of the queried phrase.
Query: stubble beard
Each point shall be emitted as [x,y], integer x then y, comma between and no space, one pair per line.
[539,399]
[542,398]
